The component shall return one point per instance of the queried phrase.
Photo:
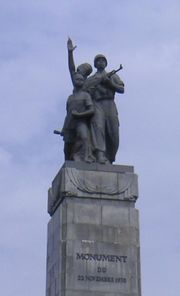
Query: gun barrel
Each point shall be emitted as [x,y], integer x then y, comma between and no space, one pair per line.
[56,132]
[115,71]
[120,68]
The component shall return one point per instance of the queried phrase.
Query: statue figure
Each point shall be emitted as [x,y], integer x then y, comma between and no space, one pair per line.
[105,123]
[91,127]
[76,129]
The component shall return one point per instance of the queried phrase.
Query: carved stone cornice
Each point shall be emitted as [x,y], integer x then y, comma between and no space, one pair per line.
[86,181]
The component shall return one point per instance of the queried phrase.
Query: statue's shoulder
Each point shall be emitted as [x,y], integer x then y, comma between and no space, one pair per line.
[70,98]
[116,78]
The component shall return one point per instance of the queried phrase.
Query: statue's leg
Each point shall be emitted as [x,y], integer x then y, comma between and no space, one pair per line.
[68,144]
[112,137]
[82,134]
[98,133]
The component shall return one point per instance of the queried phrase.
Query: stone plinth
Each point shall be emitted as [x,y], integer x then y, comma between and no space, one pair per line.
[93,235]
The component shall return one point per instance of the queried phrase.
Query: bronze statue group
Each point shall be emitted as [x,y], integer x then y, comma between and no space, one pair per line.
[91,126]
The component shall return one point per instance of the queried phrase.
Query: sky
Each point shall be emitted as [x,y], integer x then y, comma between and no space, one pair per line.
[145,37]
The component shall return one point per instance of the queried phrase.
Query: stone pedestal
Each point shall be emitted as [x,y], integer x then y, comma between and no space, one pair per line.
[93,234]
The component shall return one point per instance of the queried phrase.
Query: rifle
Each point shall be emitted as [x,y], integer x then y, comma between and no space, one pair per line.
[91,82]
[66,126]
[114,71]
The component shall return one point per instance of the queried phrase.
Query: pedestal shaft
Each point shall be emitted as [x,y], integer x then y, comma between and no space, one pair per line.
[93,241]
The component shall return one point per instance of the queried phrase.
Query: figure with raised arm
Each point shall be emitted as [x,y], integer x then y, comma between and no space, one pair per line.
[91,126]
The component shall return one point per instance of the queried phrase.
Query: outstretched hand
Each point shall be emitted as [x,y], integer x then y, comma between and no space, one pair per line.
[70,46]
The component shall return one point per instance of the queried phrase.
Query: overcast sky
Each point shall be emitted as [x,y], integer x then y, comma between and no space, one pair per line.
[145,37]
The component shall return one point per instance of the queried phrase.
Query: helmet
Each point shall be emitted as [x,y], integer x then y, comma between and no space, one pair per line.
[98,56]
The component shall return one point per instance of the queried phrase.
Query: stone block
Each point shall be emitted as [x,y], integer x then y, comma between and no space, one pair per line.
[134,217]
[69,212]
[93,235]
[84,232]
[98,167]
[103,267]
[92,293]
[87,214]
[92,181]
[115,216]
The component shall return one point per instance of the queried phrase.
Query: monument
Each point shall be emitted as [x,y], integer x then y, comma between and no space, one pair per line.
[93,234]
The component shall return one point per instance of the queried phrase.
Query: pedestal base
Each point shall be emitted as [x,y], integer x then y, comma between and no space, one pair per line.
[93,238]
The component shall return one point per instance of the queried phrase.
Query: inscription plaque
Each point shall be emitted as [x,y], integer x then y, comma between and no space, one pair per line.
[100,266]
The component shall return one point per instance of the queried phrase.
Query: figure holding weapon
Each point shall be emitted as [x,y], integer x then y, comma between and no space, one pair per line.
[97,126]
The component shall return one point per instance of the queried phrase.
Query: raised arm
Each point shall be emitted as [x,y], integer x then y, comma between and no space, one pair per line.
[71,63]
